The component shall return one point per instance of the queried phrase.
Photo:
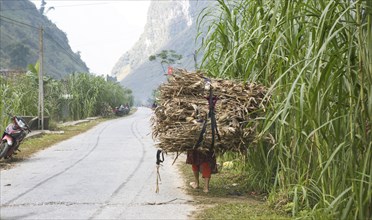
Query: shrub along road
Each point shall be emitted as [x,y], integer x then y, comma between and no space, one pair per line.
[107,172]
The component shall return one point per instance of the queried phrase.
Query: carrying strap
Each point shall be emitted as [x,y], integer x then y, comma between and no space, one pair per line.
[200,140]
[212,100]
[212,115]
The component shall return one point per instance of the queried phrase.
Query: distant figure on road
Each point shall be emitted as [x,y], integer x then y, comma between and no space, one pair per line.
[154,105]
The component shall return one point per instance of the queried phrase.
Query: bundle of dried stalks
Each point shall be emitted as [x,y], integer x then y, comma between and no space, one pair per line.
[183,107]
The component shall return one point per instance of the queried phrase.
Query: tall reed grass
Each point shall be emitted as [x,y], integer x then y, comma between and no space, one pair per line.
[78,96]
[315,56]
[90,93]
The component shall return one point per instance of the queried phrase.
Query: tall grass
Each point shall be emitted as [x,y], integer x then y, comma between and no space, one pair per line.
[18,96]
[88,94]
[78,96]
[315,56]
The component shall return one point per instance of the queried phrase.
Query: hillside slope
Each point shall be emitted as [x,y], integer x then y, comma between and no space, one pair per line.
[171,25]
[20,23]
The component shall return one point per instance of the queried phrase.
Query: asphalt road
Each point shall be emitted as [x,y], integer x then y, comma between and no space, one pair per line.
[108,172]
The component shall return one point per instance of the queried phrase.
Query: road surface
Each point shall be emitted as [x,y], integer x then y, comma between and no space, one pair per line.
[108,172]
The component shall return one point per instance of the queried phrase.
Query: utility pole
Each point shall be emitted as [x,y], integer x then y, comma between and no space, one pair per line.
[41,81]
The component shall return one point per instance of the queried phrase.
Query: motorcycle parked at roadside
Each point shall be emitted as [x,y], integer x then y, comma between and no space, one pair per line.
[13,136]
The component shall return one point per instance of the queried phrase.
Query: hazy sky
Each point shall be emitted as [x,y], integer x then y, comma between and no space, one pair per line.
[101,30]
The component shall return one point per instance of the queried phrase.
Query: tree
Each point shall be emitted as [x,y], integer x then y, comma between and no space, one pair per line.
[166,57]
[42,8]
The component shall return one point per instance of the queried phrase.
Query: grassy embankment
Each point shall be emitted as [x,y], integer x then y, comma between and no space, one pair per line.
[229,198]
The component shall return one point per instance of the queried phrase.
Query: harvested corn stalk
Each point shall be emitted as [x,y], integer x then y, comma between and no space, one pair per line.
[183,107]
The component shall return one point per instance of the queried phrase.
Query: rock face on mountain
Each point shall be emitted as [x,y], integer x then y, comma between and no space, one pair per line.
[20,23]
[171,25]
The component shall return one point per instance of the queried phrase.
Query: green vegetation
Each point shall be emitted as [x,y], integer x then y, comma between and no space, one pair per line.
[167,57]
[34,144]
[88,95]
[20,24]
[314,154]
[230,197]
[78,96]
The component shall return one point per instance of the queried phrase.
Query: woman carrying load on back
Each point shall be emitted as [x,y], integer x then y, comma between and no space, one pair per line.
[204,163]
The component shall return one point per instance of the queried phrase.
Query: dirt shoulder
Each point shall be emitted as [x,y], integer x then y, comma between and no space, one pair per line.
[229,198]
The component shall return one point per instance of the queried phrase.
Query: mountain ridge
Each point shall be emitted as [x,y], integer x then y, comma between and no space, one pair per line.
[20,24]
[174,30]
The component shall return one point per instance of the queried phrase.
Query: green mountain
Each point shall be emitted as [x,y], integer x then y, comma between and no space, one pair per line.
[20,24]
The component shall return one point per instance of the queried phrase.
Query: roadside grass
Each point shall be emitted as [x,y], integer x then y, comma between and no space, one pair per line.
[230,197]
[34,144]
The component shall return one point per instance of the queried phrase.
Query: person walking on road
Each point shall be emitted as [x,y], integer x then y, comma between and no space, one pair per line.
[205,163]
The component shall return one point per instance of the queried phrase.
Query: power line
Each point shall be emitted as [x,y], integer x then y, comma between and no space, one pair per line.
[192,15]
[17,9]
[64,50]
[60,6]
[17,22]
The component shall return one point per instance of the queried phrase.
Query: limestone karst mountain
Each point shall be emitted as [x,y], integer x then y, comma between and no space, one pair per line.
[171,25]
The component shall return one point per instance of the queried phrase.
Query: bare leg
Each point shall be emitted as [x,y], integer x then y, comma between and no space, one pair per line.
[206,185]
[195,184]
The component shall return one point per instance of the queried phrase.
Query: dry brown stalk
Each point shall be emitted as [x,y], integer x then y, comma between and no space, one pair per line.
[183,107]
